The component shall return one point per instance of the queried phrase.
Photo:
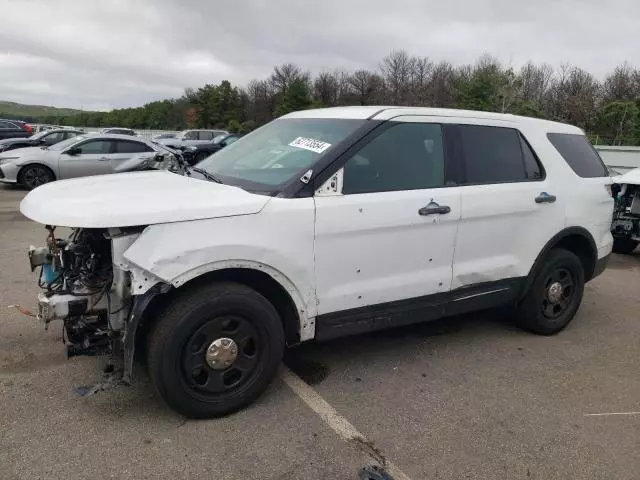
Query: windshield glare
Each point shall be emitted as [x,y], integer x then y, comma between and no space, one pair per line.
[282,150]
[68,142]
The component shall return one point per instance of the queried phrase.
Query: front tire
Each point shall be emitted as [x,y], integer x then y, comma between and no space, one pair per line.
[33,176]
[215,349]
[554,296]
[623,245]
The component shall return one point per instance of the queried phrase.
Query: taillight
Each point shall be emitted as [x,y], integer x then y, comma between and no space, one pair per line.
[27,127]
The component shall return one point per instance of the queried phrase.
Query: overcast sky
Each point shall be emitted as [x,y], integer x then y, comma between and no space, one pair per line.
[100,54]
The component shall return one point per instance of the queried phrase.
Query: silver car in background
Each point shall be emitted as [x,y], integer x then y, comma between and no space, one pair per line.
[191,138]
[80,156]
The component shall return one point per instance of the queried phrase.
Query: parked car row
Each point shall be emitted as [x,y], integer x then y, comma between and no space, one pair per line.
[78,156]
[44,138]
[14,129]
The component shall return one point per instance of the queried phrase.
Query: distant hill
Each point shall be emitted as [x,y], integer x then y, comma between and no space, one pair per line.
[31,112]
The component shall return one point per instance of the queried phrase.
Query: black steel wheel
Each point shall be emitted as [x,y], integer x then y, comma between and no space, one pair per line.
[554,295]
[221,355]
[215,349]
[33,176]
[559,290]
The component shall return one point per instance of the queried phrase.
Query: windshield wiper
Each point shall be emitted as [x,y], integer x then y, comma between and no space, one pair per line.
[207,175]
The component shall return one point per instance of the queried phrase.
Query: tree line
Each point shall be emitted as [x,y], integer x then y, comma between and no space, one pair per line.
[607,109]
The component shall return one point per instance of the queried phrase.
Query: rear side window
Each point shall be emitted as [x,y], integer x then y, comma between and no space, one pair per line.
[7,125]
[579,154]
[497,155]
[122,146]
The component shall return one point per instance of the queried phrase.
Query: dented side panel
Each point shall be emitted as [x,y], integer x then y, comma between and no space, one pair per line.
[278,241]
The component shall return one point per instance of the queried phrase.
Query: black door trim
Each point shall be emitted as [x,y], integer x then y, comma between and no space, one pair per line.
[421,309]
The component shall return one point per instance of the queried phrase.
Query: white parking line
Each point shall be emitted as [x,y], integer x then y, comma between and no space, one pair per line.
[610,414]
[338,423]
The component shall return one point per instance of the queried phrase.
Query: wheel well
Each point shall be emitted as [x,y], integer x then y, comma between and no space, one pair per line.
[577,241]
[262,282]
[582,248]
[19,176]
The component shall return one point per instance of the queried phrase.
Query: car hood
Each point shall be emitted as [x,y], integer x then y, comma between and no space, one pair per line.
[631,177]
[21,154]
[136,198]
[11,141]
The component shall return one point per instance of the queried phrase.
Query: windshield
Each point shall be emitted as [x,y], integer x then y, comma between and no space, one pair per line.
[38,136]
[280,151]
[68,142]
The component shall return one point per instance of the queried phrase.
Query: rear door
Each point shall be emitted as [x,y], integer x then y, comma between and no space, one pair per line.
[387,239]
[510,207]
[93,158]
[125,149]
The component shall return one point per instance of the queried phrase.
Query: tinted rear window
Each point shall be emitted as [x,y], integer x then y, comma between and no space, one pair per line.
[579,154]
[497,155]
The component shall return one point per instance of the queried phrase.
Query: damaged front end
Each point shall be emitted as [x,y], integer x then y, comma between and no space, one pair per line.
[625,227]
[89,286]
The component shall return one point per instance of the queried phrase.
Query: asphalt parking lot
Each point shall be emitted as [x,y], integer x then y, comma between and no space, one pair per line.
[469,397]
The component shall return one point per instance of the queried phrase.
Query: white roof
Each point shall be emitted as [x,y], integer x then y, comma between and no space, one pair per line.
[388,113]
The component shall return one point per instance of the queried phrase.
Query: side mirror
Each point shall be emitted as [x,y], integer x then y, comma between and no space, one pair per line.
[73,151]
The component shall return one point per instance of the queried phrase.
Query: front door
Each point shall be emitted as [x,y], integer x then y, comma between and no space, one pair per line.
[386,241]
[91,157]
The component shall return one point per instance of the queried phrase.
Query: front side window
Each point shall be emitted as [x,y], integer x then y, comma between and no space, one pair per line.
[122,146]
[7,125]
[278,152]
[190,135]
[496,155]
[578,152]
[93,147]
[406,156]
[52,138]
[67,143]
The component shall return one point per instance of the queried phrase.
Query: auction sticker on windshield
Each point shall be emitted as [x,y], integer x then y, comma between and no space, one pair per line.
[310,144]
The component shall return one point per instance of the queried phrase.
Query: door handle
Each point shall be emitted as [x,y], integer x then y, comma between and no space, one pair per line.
[434,209]
[544,197]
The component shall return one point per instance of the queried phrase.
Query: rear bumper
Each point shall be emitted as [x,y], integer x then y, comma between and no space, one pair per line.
[601,265]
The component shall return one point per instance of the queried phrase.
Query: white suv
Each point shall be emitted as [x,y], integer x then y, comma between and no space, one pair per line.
[321,224]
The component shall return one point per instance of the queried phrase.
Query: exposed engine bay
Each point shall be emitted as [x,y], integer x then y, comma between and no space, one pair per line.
[89,288]
[626,215]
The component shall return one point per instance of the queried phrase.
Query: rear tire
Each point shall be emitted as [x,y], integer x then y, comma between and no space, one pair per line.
[215,349]
[554,296]
[624,246]
[33,176]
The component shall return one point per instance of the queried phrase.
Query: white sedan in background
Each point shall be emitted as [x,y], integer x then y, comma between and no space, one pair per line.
[80,156]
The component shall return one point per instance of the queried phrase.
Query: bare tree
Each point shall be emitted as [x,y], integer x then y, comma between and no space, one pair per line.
[366,87]
[572,97]
[284,75]
[422,69]
[622,84]
[326,89]
[535,81]
[396,69]
[260,101]
[441,89]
